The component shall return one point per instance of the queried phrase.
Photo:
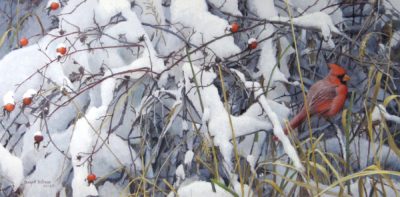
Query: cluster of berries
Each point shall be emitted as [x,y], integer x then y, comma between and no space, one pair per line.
[61,50]
[251,43]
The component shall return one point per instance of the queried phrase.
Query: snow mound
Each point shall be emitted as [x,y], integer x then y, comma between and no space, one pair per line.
[204,27]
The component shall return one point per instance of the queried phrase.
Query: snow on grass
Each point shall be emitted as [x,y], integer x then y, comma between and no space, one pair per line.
[278,131]
[188,157]
[329,7]
[362,148]
[112,189]
[206,115]
[218,123]
[180,172]
[11,168]
[323,24]
[341,141]
[200,189]
[276,117]
[203,188]
[380,111]
[354,186]
[252,162]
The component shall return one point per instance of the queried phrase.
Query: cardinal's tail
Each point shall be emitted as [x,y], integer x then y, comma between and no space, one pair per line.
[297,120]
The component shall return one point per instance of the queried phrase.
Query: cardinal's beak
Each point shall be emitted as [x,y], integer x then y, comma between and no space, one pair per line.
[346,78]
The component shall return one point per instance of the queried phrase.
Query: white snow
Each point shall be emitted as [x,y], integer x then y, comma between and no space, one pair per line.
[180,172]
[8,98]
[38,133]
[218,123]
[377,113]
[115,155]
[107,89]
[206,115]
[267,64]
[22,63]
[111,189]
[200,189]
[248,122]
[61,45]
[323,24]
[252,162]
[278,131]
[29,93]
[251,40]
[84,135]
[329,7]
[205,26]
[115,6]
[188,157]
[380,111]
[341,141]
[45,175]
[11,168]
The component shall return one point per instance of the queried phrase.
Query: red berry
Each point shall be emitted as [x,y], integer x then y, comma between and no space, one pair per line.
[235,27]
[38,138]
[62,50]
[23,42]
[54,6]
[91,178]
[9,107]
[27,101]
[253,45]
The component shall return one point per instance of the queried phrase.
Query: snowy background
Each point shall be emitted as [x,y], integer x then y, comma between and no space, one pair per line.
[162,98]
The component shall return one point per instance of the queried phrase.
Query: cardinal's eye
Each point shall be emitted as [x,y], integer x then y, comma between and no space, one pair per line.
[341,78]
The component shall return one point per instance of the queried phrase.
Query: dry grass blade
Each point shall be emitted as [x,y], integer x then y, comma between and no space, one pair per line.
[4,36]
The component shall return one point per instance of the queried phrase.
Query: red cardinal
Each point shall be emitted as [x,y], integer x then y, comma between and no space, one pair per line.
[325,98]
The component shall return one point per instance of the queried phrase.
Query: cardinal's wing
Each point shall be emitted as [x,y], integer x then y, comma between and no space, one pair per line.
[320,96]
